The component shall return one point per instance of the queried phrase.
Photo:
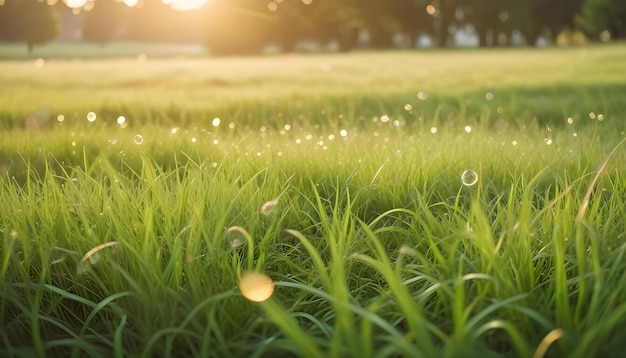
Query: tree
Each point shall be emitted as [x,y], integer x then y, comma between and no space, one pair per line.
[40,23]
[30,21]
[444,17]
[9,21]
[598,16]
[103,22]
[552,16]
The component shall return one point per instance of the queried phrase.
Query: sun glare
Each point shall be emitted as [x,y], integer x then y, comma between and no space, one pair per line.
[131,3]
[184,5]
[75,4]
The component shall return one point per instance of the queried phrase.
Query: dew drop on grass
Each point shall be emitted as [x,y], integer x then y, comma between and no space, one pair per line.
[469,177]
[256,287]
[138,139]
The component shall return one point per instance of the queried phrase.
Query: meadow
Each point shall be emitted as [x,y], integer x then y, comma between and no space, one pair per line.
[424,204]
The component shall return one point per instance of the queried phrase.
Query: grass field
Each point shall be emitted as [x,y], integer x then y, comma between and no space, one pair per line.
[427,204]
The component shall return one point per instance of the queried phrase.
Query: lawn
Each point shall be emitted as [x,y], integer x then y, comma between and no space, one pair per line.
[430,204]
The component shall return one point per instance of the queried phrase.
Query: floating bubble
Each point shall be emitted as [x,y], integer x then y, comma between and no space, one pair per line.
[60,118]
[138,139]
[408,107]
[468,129]
[600,117]
[514,142]
[548,141]
[592,115]
[421,95]
[469,177]
[570,120]
[91,116]
[256,287]
[384,118]
[216,122]
[343,132]
[234,238]
[489,96]
[287,127]
[194,139]
[174,130]
[433,130]
[121,120]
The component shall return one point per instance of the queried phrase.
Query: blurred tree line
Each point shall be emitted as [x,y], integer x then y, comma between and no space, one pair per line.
[249,26]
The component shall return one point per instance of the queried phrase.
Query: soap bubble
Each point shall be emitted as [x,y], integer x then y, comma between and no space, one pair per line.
[469,177]
[138,139]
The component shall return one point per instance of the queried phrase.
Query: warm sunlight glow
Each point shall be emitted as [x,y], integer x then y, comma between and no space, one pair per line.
[184,5]
[256,287]
[130,3]
[75,4]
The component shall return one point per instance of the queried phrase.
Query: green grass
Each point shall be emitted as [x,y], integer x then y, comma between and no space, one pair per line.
[375,246]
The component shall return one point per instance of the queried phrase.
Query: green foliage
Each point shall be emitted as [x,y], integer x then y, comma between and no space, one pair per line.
[598,16]
[115,246]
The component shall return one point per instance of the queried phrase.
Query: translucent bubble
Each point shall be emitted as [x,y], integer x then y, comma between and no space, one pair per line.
[343,132]
[256,287]
[60,118]
[216,122]
[91,116]
[548,141]
[514,142]
[138,139]
[468,129]
[384,118]
[194,139]
[489,96]
[287,127]
[408,107]
[121,120]
[600,117]
[469,177]
[433,130]
[421,95]
[234,238]
[592,115]
[231,125]
[174,130]
[570,120]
